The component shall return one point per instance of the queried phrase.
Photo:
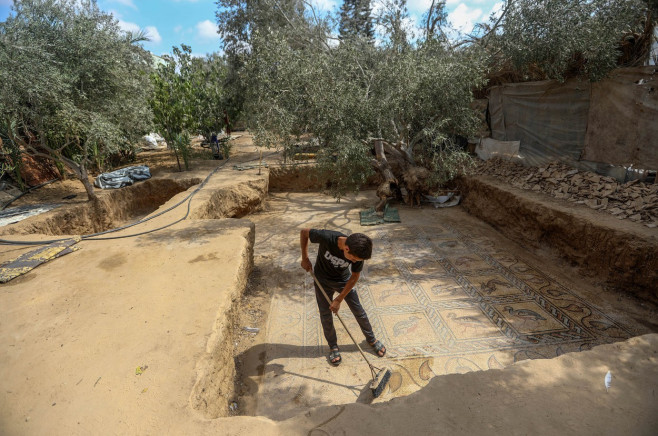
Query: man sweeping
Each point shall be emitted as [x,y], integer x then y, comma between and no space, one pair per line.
[336,254]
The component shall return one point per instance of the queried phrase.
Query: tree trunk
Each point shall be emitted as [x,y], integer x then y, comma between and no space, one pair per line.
[84,178]
[389,187]
[399,173]
[36,145]
[171,142]
[180,169]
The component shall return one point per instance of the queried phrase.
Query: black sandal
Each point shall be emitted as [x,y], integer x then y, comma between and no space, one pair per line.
[378,346]
[335,354]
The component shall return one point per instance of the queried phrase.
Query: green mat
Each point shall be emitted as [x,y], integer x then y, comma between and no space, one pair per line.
[370,217]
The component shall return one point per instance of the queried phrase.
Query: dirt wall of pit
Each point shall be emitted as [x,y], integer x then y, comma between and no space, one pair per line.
[232,201]
[624,255]
[113,207]
[215,385]
[304,178]
[297,178]
[225,195]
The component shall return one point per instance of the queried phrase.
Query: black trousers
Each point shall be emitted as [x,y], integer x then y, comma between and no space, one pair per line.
[327,317]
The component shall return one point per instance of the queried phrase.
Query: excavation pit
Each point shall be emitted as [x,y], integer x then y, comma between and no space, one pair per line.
[445,292]
[157,326]
[114,209]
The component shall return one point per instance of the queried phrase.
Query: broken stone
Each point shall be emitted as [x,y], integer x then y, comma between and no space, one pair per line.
[598,192]
[591,203]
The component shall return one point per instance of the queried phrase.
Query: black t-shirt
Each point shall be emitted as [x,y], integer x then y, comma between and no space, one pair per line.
[331,264]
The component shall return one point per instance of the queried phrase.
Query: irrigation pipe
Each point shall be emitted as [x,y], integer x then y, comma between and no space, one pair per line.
[30,189]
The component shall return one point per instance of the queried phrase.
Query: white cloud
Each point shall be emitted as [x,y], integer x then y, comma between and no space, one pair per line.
[153,34]
[207,30]
[151,31]
[464,18]
[497,8]
[129,27]
[178,29]
[5,2]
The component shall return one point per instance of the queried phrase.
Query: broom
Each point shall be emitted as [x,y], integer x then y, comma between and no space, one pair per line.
[380,376]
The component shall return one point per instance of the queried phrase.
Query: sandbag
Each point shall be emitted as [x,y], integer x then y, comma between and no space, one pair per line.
[488,148]
[123,177]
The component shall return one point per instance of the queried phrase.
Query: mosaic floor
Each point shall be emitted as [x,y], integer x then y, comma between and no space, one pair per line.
[444,299]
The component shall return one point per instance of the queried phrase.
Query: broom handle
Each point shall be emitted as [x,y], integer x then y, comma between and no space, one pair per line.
[341,321]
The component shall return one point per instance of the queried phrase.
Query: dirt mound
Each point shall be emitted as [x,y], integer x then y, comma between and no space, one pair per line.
[36,170]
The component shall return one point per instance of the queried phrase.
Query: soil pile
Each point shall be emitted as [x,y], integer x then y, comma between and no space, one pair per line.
[634,200]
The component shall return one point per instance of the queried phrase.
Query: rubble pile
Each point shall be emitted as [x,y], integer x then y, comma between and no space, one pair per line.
[635,200]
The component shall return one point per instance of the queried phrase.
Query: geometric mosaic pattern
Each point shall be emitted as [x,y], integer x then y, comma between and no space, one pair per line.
[468,298]
[443,298]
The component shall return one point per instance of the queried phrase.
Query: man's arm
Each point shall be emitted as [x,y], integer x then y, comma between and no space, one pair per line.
[335,305]
[303,242]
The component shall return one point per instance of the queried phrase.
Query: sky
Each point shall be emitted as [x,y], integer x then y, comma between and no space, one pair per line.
[192,22]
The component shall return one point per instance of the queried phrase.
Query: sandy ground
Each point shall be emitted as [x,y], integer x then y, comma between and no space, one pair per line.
[119,333]
[124,337]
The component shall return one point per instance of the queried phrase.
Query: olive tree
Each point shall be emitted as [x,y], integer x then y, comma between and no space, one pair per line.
[72,83]
[211,102]
[555,39]
[189,98]
[400,98]
[172,100]
[404,100]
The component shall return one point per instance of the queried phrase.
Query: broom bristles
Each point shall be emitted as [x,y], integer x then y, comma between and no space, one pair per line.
[379,383]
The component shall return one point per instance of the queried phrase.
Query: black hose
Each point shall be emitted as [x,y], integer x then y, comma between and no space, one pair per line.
[32,188]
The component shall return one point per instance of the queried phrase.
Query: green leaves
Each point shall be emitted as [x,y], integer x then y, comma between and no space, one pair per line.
[347,163]
[551,39]
[347,94]
[72,80]
[189,97]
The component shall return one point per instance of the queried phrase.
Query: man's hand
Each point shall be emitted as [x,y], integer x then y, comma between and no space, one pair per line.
[306,264]
[335,305]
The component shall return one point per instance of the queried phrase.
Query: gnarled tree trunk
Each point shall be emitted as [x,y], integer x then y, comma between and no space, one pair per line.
[389,187]
[398,173]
